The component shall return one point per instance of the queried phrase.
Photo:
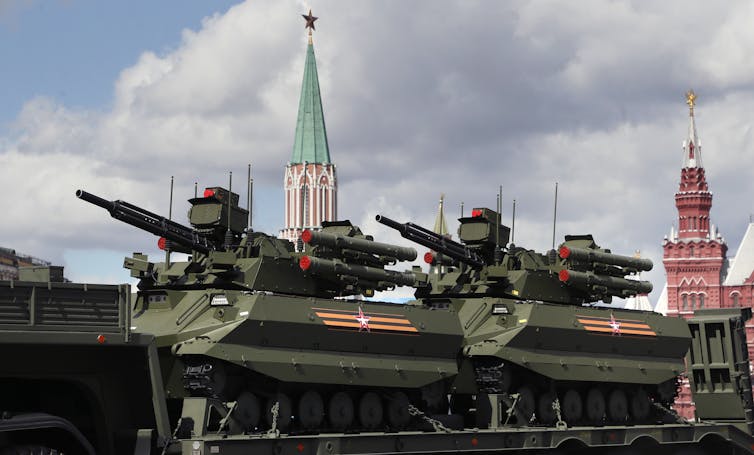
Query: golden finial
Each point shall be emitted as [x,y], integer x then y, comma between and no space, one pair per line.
[691,101]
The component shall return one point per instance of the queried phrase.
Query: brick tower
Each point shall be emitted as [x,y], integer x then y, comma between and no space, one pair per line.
[310,181]
[694,255]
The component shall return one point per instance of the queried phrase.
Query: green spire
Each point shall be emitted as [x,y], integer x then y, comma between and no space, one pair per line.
[310,144]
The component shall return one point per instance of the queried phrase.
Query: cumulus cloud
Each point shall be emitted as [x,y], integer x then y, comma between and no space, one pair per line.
[420,99]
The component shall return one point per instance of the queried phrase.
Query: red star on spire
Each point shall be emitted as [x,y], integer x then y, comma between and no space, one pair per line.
[363,320]
[309,20]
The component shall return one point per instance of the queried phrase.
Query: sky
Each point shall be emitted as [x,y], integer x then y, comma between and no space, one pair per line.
[420,98]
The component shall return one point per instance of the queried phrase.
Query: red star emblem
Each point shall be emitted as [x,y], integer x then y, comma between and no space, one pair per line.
[615,325]
[363,320]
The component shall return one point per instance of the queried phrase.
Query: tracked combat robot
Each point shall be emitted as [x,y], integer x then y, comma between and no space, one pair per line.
[280,340]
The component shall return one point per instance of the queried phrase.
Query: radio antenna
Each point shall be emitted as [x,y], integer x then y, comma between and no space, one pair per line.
[228,233]
[498,249]
[513,222]
[555,215]
[170,217]
[249,194]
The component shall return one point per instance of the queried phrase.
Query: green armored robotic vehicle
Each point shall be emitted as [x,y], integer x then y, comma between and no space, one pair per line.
[282,340]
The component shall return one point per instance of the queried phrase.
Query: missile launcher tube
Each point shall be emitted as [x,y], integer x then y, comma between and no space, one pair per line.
[582,254]
[328,267]
[367,246]
[613,284]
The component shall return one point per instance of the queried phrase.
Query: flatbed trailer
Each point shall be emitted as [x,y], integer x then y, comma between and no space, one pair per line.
[76,379]
[712,438]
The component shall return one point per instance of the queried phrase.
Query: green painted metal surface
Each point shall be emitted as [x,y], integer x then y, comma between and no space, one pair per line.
[310,143]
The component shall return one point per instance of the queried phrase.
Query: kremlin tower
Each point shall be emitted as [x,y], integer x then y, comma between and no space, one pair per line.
[310,180]
[694,255]
[699,274]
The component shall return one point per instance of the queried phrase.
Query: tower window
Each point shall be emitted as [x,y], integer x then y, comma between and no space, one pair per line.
[305,206]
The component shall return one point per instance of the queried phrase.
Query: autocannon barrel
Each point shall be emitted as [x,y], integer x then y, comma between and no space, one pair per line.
[614,285]
[333,268]
[96,200]
[400,253]
[150,222]
[434,241]
[588,255]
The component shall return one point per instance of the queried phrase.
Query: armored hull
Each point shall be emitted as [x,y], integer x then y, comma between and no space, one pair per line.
[312,341]
[596,365]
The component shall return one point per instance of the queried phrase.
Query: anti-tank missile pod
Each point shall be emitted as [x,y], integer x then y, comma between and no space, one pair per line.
[591,255]
[335,268]
[365,245]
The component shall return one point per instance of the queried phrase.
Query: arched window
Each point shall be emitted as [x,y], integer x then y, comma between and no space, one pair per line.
[305,205]
[701,301]
[693,301]
[685,303]
[734,298]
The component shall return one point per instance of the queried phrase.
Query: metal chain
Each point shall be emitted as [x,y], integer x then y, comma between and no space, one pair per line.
[670,412]
[512,408]
[173,438]
[274,432]
[436,424]
[560,424]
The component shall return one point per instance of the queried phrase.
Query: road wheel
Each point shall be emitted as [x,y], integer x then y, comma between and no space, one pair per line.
[397,411]
[311,409]
[617,406]
[572,407]
[248,411]
[595,406]
[545,411]
[526,403]
[641,407]
[370,410]
[340,411]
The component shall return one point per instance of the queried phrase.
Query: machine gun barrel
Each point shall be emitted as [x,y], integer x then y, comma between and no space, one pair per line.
[434,241]
[613,285]
[334,268]
[400,253]
[588,255]
[151,222]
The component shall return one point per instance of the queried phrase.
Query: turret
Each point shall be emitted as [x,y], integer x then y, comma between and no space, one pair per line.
[581,272]
[338,261]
